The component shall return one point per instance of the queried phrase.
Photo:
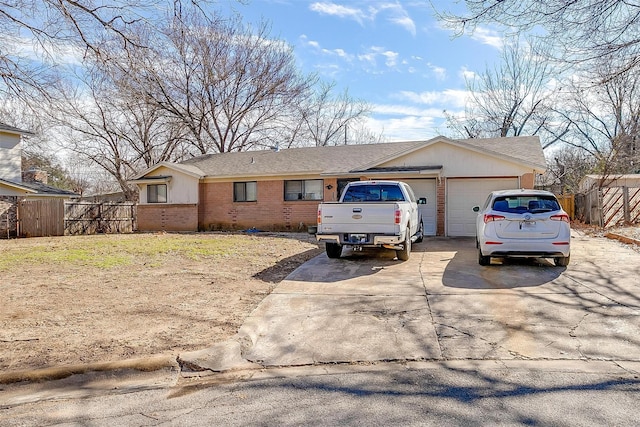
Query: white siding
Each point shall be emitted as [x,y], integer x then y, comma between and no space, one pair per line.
[181,189]
[10,161]
[460,162]
[426,188]
[463,195]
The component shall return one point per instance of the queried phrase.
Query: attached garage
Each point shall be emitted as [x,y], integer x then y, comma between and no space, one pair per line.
[426,188]
[465,193]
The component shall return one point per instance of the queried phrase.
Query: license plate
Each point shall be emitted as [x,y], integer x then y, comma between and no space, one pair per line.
[527,225]
[358,238]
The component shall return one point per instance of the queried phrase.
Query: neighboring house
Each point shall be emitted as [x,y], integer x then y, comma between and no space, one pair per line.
[589,182]
[280,190]
[14,185]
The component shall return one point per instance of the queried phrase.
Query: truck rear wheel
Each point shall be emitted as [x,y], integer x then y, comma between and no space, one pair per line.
[403,254]
[334,250]
[420,234]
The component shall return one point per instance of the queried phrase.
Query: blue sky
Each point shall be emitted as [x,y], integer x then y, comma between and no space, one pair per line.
[393,54]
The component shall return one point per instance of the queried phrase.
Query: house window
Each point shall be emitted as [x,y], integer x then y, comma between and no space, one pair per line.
[245,191]
[157,193]
[308,189]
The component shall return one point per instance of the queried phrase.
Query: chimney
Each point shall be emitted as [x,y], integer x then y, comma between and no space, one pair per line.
[35,175]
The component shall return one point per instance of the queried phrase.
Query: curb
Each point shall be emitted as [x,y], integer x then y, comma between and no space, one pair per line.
[147,364]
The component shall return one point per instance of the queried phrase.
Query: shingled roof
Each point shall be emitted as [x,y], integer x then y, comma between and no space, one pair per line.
[10,129]
[38,189]
[346,159]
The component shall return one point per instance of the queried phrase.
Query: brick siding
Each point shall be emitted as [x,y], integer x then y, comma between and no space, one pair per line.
[8,216]
[161,217]
[218,211]
[441,208]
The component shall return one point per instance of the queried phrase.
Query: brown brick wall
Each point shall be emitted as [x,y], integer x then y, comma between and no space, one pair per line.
[161,217]
[441,208]
[218,211]
[527,180]
[8,216]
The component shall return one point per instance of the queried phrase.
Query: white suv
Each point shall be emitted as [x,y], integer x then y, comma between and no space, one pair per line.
[522,223]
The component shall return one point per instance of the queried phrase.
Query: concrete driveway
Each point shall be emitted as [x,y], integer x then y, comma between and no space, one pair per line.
[442,305]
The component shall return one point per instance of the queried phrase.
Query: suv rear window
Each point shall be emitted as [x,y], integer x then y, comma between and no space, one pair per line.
[524,203]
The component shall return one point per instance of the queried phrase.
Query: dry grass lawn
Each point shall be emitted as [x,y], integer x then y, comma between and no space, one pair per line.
[84,299]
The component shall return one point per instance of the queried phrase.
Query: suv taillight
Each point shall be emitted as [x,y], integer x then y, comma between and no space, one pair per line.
[492,217]
[319,216]
[560,217]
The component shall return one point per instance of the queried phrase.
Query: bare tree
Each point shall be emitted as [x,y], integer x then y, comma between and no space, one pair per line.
[577,31]
[508,100]
[227,85]
[98,118]
[604,120]
[326,118]
[34,34]
[566,167]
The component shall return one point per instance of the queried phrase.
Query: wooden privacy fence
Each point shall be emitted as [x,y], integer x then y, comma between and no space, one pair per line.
[92,217]
[39,218]
[55,217]
[620,205]
[610,206]
[567,201]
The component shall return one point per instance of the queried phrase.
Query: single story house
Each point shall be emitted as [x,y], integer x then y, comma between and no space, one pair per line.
[16,185]
[281,189]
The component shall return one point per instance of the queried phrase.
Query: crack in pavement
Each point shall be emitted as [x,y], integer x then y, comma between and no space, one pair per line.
[426,297]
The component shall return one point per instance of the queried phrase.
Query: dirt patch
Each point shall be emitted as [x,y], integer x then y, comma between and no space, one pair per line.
[103,298]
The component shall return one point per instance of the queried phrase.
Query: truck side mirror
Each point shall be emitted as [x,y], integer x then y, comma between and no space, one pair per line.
[422,201]
[476,208]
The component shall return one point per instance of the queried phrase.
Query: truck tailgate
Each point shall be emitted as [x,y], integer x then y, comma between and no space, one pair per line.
[375,217]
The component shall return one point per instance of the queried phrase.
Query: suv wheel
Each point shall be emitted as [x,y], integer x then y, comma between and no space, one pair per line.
[483,260]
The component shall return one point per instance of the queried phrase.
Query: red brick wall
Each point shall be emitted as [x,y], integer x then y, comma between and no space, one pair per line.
[161,217]
[441,208]
[218,211]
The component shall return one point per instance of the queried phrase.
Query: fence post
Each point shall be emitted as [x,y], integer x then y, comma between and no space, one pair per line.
[625,205]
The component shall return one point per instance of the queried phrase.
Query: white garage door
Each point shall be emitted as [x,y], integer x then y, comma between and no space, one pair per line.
[463,195]
[426,188]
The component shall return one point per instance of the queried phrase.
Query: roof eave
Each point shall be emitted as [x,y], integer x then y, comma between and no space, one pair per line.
[17,186]
[168,165]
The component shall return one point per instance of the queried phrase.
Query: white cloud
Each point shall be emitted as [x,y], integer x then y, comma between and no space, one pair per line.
[467,74]
[448,98]
[405,128]
[56,53]
[439,72]
[488,37]
[398,15]
[340,53]
[405,22]
[333,9]
[391,58]
[368,57]
[371,57]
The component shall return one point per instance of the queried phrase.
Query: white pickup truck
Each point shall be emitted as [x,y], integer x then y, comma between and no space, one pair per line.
[371,214]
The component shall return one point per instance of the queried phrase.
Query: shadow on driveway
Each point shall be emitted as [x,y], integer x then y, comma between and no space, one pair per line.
[463,270]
